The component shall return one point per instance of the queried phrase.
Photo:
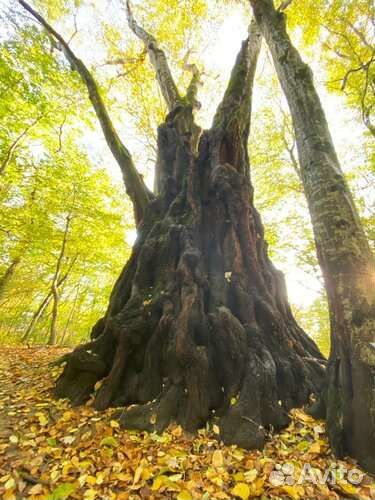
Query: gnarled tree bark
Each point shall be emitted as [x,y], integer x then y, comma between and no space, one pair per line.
[198,323]
[344,254]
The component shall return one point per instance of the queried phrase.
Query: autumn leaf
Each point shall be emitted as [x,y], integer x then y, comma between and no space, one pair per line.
[137,474]
[315,447]
[295,492]
[86,461]
[241,490]
[10,484]
[184,495]
[250,475]
[62,492]
[217,458]
[109,441]
[9,495]
[158,482]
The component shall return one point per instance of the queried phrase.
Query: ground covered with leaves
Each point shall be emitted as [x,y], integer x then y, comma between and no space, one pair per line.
[49,450]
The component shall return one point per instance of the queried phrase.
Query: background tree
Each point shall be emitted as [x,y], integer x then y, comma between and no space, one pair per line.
[343,251]
[45,176]
[33,217]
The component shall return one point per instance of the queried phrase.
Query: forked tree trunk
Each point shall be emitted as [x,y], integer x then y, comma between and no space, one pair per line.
[198,323]
[344,254]
[199,316]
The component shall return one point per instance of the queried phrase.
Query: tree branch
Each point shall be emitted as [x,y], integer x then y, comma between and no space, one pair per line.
[9,153]
[158,60]
[360,35]
[362,67]
[134,184]
[234,111]
[195,82]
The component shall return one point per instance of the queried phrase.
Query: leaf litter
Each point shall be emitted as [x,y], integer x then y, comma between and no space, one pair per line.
[49,450]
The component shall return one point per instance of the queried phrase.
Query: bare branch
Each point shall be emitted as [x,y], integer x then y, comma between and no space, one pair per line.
[284,5]
[360,35]
[134,184]
[195,82]
[75,27]
[362,67]
[339,53]
[158,60]
[9,152]
[347,40]
[120,61]
[60,133]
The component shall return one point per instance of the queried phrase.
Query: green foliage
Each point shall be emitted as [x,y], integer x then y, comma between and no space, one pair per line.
[46,175]
[345,34]
[62,492]
[33,218]
[35,94]
[315,320]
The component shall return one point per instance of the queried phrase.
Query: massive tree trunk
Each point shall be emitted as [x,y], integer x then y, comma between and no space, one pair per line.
[198,324]
[343,252]
[199,317]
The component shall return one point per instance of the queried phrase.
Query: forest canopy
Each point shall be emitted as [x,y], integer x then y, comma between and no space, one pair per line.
[49,138]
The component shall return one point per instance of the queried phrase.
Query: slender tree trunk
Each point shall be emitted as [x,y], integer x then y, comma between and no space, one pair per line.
[55,304]
[55,283]
[7,276]
[71,314]
[36,317]
[343,252]
[43,305]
